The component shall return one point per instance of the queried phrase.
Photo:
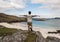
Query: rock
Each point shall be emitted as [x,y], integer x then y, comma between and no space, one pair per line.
[20,37]
[0,39]
[2,26]
[40,38]
[52,39]
[16,37]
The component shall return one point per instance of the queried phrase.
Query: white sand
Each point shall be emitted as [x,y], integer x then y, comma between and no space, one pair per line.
[22,26]
[15,25]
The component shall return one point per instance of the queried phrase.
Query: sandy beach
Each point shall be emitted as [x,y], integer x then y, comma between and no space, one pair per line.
[22,26]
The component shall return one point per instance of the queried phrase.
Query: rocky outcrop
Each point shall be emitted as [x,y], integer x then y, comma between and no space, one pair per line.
[21,36]
[40,38]
[16,37]
[52,39]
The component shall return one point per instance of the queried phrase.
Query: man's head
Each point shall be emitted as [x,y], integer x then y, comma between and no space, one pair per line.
[29,12]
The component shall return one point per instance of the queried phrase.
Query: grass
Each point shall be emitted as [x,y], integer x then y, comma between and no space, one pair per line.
[31,37]
[7,31]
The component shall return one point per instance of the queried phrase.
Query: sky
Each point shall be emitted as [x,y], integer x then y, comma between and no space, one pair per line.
[44,8]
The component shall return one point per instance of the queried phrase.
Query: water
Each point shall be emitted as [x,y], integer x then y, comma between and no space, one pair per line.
[52,23]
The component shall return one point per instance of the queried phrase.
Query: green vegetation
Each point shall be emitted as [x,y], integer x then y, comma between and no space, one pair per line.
[31,37]
[7,31]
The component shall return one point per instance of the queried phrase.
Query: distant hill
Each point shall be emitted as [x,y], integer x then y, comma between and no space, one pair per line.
[10,18]
[40,19]
[57,17]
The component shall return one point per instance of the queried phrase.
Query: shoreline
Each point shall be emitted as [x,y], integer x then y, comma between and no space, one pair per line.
[22,26]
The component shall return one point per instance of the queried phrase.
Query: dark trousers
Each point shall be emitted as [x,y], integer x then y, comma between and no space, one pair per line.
[29,26]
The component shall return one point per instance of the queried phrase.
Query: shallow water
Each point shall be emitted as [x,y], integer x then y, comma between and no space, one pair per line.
[52,23]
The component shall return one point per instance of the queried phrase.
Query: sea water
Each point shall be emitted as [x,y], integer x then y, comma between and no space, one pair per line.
[52,23]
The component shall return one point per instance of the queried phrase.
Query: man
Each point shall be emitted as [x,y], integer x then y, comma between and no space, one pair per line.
[29,21]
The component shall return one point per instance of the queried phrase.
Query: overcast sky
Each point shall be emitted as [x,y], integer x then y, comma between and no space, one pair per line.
[44,8]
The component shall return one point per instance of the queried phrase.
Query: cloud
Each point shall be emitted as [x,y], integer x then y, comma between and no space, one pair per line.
[45,1]
[52,5]
[18,4]
[4,4]
[11,4]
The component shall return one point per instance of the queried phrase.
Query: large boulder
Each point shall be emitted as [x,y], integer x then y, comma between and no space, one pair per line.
[40,38]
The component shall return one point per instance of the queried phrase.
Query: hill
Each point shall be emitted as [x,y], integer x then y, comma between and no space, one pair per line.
[10,18]
[40,19]
[57,17]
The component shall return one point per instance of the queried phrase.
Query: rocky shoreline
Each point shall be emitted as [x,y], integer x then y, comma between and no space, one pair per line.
[22,35]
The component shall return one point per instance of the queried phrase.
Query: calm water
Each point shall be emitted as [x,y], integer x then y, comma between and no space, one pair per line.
[53,23]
